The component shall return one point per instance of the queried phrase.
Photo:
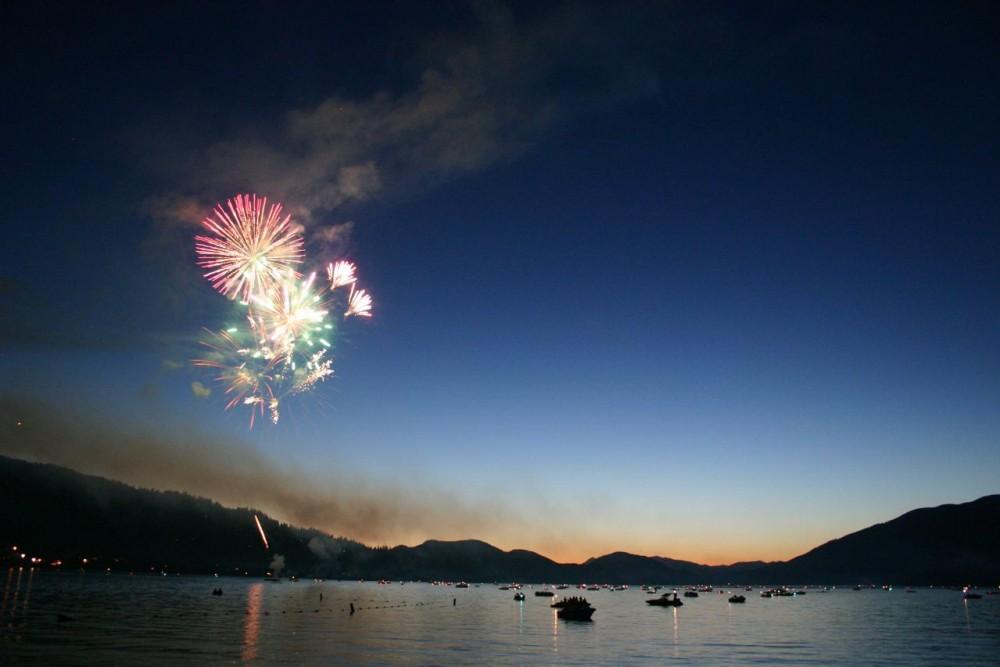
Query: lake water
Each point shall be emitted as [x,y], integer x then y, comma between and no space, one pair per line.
[119,619]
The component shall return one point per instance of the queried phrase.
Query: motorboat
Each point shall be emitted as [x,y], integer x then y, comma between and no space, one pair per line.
[666,600]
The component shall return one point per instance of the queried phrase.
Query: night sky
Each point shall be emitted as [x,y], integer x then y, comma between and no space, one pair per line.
[715,281]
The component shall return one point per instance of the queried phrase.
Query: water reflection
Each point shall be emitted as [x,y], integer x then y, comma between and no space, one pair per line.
[555,631]
[251,629]
[6,590]
[151,620]
[677,648]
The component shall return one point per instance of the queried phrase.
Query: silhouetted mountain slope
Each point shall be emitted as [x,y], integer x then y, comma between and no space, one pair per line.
[949,544]
[60,514]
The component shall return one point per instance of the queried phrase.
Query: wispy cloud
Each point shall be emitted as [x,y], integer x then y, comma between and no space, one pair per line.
[483,96]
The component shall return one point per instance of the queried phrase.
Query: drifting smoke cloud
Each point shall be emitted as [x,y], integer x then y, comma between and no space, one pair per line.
[277,565]
[483,96]
[235,474]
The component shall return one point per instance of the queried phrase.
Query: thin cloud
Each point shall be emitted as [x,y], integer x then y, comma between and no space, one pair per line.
[485,96]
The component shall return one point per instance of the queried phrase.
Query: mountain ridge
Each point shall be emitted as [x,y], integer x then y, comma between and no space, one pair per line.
[122,527]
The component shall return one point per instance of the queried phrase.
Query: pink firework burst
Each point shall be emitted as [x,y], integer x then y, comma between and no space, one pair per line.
[250,249]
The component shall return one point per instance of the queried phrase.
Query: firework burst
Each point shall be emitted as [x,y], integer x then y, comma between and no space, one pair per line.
[283,348]
[292,315]
[250,247]
[341,274]
[359,304]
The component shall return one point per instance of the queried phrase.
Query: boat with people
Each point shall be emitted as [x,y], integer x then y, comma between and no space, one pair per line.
[666,600]
[519,596]
[575,609]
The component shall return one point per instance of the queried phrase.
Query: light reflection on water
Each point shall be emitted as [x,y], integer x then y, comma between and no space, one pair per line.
[118,619]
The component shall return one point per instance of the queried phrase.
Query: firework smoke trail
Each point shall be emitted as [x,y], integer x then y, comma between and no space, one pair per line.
[283,348]
[260,529]
[250,248]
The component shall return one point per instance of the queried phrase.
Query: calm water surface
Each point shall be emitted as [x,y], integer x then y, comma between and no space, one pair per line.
[119,619]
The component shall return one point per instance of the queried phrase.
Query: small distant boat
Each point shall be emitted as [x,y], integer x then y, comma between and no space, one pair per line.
[737,599]
[504,588]
[690,594]
[766,594]
[562,587]
[857,587]
[575,609]
[666,600]
[544,594]
[969,594]
[461,584]
[519,596]
[800,592]
[748,588]
[593,588]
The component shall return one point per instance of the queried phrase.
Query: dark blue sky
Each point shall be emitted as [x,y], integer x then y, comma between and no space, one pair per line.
[726,268]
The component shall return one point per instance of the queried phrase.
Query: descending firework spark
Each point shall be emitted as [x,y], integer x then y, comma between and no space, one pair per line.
[316,370]
[260,529]
[250,249]
[341,274]
[248,372]
[359,304]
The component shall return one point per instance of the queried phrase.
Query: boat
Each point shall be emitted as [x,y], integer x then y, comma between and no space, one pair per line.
[766,594]
[969,594]
[666,600]
[559,604]
[748,588]
[461,584]
[504,588]
[519,596]
[593,588]
[544,594]
[562,587]
[575,609]
[737,599]
[690,594]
